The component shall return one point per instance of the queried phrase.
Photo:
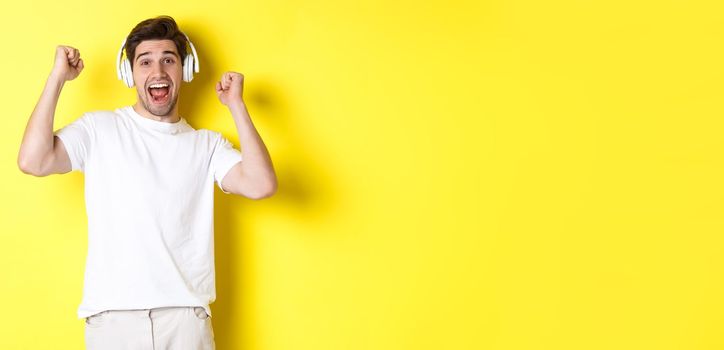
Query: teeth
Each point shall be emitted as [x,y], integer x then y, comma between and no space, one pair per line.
[156,86]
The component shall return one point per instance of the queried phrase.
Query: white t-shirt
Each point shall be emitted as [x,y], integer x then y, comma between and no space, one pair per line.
[149,195]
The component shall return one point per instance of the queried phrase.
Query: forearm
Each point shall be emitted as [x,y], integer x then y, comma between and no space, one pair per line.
[257,169]
[38,138]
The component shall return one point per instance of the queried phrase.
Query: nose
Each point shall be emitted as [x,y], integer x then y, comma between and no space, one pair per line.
[157,69]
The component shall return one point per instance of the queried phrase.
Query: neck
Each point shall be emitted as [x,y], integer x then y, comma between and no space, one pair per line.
[171,117]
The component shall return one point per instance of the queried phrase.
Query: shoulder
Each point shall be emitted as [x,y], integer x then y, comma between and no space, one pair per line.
[100,116]
[215,140]
[92,120]
[210,135]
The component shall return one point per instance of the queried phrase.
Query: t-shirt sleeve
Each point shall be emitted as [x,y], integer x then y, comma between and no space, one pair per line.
[225,156]
[77,138]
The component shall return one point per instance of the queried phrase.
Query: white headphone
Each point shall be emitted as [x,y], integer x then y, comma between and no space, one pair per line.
[123,66]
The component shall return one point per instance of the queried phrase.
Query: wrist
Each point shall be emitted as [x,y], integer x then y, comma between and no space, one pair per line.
[55,77]
[237,105]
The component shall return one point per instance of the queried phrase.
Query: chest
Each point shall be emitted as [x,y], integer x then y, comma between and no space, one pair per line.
[147,164]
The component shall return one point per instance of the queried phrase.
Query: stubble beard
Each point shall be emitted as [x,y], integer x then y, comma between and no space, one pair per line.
[159,111]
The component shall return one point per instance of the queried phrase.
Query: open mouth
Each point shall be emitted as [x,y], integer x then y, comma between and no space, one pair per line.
[159,92]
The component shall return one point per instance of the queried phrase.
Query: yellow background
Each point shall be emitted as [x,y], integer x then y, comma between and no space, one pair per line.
[453,174]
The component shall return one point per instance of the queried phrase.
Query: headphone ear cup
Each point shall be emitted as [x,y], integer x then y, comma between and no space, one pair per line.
[184,69]
[127,73]
[189,68]
[123,72]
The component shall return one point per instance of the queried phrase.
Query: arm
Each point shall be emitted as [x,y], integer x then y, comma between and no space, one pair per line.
[41,153]
[253,177]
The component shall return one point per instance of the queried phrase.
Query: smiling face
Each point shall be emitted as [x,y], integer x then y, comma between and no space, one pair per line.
[157,75]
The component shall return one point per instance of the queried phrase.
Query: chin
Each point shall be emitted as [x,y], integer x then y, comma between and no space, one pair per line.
[159,110]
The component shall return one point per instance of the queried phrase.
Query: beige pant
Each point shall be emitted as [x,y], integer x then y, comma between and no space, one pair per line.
[166,328]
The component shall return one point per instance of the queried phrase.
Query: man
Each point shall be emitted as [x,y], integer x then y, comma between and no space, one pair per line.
[149,179]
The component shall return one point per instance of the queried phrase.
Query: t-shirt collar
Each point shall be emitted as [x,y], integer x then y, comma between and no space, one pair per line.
[168,128]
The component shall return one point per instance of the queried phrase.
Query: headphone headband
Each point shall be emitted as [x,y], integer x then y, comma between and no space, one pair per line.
[193,49]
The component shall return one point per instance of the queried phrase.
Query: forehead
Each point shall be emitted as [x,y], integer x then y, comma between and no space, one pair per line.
[155,47]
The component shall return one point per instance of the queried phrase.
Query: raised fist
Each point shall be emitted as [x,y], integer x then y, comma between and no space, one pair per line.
[230,88]
[68,63]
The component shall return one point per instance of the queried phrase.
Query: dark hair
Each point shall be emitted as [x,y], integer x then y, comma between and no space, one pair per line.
[158,28]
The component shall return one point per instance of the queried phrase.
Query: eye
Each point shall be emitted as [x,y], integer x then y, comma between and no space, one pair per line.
[143,63]
[168,60]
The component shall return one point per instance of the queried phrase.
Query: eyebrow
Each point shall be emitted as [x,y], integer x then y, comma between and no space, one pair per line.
[149,52]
